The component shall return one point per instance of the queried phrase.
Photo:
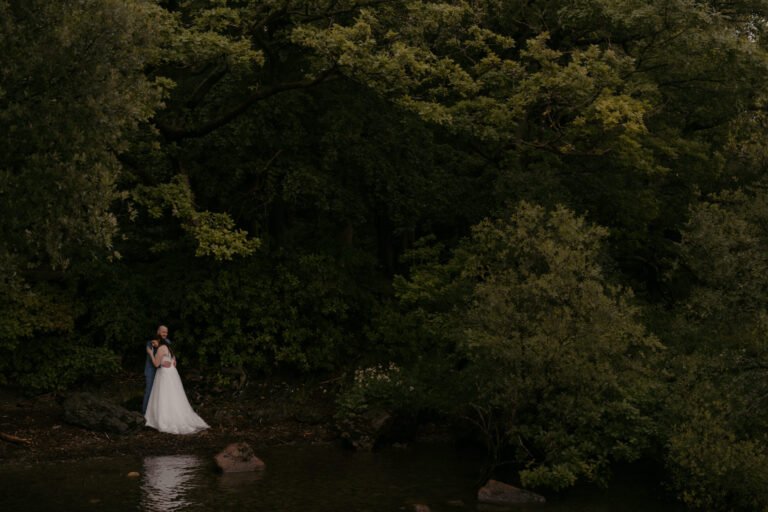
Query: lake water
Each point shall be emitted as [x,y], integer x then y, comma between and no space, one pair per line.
[306,479]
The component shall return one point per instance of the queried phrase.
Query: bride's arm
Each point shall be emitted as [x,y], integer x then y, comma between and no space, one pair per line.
[158,357]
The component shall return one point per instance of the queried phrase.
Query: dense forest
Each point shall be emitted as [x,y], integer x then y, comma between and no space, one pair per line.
[549,217]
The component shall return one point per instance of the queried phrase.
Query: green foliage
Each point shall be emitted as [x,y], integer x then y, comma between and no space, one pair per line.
[39,347]
[57,365]
[724,256]
[386,395]
[214,233]
[557,358]
[293,314]
[379,386]
[27,315]
[256,173]
[717,450]
[73,87]
[616,108]
[255,315]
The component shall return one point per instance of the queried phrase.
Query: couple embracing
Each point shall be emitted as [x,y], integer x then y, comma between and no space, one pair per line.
[166,407]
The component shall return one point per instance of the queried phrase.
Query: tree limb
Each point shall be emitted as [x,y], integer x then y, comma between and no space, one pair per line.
[174,133]
[306,17]
[206,85]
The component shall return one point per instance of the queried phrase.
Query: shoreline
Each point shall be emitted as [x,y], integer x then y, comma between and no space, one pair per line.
[271,414]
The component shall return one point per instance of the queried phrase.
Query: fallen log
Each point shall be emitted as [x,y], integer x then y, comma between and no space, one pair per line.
[15,439]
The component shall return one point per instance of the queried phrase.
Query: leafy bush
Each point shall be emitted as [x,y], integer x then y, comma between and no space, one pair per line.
[62,363]
[38,347]
[379,385]
[717,453]
[254,314]
[554,353]
[716,413]
[293,313]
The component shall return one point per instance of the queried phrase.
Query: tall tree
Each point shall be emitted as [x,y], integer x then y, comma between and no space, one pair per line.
[73,86]
[556,363]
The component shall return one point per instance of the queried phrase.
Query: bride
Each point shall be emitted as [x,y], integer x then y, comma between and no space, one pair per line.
[168,409]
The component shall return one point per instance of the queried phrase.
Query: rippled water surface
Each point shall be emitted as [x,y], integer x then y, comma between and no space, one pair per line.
[316,479]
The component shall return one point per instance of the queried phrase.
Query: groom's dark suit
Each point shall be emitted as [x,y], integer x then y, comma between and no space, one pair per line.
[149,376]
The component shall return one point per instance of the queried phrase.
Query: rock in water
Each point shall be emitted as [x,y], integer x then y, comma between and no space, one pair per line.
[94,413]
[500,493]
[238,457]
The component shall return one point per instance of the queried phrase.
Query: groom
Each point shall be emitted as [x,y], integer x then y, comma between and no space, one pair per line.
[149,368]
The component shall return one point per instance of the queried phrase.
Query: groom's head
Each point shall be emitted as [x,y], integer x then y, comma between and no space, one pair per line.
[162,331]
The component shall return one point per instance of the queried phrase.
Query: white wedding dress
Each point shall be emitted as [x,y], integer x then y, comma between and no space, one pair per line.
[168,409]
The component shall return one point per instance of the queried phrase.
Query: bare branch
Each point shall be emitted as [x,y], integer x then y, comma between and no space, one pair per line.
[174,133]
[305,17]
[207,84]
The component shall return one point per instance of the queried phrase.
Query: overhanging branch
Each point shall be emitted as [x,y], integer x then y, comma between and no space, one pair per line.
[175,133]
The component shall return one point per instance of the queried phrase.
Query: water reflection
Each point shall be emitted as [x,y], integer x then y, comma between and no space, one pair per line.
[297,479]
[239,482]
[167,481]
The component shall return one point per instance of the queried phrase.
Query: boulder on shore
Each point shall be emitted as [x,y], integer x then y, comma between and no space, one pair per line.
[499,493]
[238,457]
[98,414]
